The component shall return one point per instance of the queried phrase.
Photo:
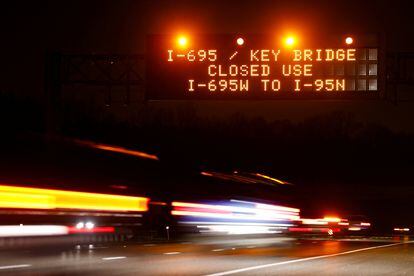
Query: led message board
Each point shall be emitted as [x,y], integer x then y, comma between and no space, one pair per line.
[252,67]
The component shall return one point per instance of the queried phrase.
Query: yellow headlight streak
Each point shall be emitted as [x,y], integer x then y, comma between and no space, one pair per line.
[331,219]
[272,178]
[36,198]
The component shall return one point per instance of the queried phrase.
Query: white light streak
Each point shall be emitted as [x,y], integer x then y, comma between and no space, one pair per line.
[32,230]
[172,253]
[114,258]
[15,266]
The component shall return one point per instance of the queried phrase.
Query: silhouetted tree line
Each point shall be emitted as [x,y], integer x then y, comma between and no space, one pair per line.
[335,143]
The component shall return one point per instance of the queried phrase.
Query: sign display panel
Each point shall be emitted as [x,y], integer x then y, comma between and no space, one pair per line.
[252,67]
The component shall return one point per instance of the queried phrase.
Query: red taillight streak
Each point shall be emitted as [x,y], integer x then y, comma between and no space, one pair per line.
[74,230]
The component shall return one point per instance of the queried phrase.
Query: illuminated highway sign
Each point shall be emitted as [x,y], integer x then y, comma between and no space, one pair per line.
[260,67]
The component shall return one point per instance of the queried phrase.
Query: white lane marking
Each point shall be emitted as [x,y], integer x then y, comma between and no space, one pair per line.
[363,240]
[15,266]
[172,253]
[114,258]
[218,249]
[300,260]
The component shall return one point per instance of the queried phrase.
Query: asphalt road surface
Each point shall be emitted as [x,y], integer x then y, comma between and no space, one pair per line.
[276,256]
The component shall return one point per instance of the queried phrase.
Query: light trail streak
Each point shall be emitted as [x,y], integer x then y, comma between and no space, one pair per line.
[113,258]
[32,230]
[117,149]
[172,253]
[38,198]
[14,266]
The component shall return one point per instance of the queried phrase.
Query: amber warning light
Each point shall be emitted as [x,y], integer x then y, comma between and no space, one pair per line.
[245,67]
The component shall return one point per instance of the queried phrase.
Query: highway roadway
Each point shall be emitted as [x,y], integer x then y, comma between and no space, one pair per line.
[255,256]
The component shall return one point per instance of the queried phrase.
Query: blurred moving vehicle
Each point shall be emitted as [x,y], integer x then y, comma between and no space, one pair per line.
[318,226]
[234,217]
[358,224]
[58,189]
[402,230]
[234,203]
[69,187]
[28,212]
[332,225]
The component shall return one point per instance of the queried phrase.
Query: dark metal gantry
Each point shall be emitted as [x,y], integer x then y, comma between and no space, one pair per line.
[399,75]
[107,70]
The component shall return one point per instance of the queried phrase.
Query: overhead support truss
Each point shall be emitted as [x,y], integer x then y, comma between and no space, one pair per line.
[400,77]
